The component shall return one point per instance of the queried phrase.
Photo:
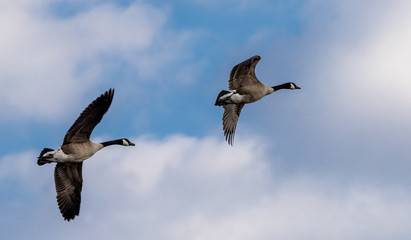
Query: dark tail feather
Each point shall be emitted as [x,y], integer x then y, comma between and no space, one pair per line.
[222,93]
[41,160]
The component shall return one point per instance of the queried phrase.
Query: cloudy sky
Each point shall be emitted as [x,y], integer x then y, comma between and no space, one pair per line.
[330,161]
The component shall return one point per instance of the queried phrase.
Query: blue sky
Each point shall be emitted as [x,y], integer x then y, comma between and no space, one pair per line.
[330,161]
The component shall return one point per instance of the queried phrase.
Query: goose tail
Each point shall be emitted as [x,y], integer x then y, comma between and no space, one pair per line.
[41,160]
[222,97]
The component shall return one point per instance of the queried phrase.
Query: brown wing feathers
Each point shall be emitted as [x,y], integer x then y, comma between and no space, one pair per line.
[243,74]
[69,182]
[230,119]
[81,130]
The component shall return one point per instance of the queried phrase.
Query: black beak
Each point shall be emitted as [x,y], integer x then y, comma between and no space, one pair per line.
[131,144]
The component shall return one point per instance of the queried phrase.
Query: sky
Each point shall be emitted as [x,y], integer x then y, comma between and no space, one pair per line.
[329,161]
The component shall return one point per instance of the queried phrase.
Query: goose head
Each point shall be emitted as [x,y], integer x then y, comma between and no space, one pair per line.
[292,86]
[126,142]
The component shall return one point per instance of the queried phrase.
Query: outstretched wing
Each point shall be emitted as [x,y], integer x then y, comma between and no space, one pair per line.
[243,74]
[89,118]
[69,182]
[230,119]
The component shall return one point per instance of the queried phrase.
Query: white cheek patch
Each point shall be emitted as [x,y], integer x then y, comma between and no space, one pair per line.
[292,86]
[125,143]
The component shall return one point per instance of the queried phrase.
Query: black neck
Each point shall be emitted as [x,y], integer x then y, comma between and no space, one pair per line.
[113,142]
[282,86]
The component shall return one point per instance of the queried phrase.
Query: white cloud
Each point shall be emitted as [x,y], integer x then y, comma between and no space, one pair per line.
[361,51]
[47,61]
[350,58]
[188,188]
[302,211]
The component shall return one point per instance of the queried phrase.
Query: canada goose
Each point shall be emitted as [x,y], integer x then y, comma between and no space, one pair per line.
[245,88]
[76,148]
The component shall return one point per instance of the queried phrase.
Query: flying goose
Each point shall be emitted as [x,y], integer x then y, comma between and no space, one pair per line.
[245,88]
[76,148]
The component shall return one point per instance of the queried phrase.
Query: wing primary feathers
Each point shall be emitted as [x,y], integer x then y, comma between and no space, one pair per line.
[230,119]
[243,74]
[81,130]
[69,182]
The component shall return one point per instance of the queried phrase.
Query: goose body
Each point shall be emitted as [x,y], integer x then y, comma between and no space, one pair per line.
[76,148]
[245,88]
[73,152]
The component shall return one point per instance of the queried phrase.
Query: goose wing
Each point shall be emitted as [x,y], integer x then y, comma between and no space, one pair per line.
[230,119]
[81,130]
[69,182]
[243,74]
